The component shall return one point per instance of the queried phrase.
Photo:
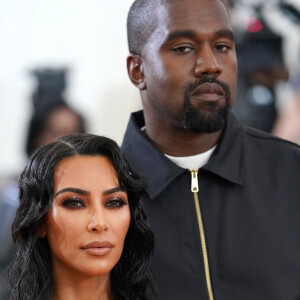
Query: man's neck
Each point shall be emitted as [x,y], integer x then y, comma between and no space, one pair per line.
[181,142]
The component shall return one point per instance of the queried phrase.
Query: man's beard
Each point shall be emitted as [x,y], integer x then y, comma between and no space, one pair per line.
[213,118]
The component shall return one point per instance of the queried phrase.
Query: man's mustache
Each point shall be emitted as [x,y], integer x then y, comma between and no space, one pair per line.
[190,87]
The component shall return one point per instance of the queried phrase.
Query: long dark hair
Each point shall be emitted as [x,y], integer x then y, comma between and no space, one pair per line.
[30,274]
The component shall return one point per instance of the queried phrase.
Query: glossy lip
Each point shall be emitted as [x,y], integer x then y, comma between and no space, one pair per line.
[98,248]
[208,92]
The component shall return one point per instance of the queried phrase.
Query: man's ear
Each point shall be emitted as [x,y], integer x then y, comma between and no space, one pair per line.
[41,231]
[135,70]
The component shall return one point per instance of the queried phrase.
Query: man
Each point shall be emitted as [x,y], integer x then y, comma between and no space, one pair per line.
[223,200]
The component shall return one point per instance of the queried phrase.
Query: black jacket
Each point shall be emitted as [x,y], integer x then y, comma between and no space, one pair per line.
[249,196]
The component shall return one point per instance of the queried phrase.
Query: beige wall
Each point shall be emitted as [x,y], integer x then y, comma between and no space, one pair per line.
[88,37]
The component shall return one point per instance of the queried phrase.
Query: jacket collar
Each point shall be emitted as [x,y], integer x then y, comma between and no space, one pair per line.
[228,159]
[159,171]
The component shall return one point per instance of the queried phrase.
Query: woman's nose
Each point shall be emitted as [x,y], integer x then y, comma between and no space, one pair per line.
[98,222]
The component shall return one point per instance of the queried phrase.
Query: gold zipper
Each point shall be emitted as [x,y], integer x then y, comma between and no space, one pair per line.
[195,190]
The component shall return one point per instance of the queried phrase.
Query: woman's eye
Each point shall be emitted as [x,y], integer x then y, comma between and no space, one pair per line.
[73,203]
[115,203]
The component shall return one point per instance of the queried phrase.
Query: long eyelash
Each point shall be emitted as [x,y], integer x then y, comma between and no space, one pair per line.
[120,201]
[67,202]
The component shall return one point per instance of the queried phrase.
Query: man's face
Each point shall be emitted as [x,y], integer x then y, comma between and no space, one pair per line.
[190,67]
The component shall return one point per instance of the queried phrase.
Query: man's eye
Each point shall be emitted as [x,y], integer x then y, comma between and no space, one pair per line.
[223,48]
[115,203]
[182,49]
[73,203]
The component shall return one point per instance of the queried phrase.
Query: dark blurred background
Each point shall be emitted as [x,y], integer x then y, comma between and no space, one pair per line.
[267,64]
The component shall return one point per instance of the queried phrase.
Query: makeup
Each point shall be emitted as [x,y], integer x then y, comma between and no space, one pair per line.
[98,248]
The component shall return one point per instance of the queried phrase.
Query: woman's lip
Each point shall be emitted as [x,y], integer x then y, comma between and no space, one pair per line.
[105,244]
[98,248]
[97,251]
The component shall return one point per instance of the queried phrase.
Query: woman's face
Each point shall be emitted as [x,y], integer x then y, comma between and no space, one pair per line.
[89,219]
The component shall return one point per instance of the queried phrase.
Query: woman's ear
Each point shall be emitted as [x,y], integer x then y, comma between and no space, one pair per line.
[135,69]
[41,231]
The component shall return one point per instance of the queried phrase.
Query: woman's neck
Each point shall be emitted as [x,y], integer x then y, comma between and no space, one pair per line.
[74,286]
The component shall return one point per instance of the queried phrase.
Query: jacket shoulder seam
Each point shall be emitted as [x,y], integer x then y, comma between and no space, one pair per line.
[266,136]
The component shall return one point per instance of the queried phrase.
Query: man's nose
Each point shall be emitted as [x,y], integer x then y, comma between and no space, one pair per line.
[207,63]
[97,221]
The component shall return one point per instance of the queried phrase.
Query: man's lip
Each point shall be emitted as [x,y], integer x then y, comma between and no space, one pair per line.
[105,244]
[208,88]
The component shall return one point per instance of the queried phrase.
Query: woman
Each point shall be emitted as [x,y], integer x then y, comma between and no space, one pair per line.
[79,230]
[52,117]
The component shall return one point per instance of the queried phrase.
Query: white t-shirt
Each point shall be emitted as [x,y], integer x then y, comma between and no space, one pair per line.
[190,162]
[194,161]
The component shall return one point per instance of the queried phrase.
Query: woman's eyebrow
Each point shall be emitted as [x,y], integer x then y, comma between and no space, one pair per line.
[73,190]
[113,190]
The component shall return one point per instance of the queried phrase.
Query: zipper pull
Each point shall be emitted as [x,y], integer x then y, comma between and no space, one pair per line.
[194,181]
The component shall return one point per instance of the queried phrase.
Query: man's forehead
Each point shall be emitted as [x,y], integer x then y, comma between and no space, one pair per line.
[174,15]
[184,14]
[170,3]
[179,8]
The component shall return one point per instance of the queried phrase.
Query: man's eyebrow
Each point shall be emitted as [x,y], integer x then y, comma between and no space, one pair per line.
[73,190]
[225,33]
[179,33]
[114,190]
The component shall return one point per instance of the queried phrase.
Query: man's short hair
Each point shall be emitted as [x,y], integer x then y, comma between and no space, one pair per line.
[141,22]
